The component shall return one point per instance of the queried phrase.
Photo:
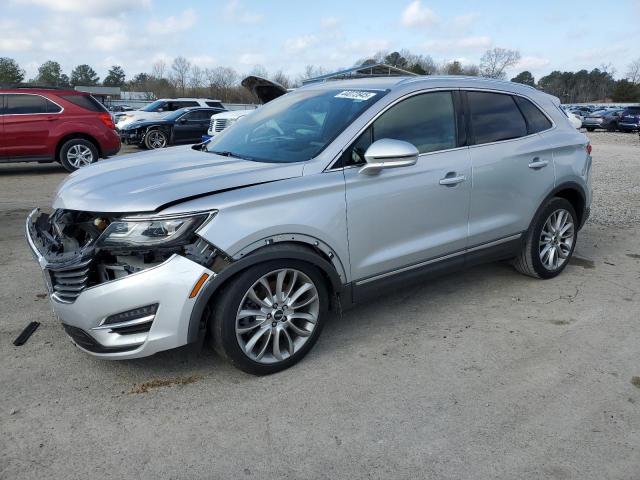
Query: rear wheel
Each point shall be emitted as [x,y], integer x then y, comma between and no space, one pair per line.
[612,127]
[590,129]
[269,316]
[77,153]
[550,240]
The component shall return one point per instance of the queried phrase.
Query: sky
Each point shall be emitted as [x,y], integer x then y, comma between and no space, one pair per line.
[287,35]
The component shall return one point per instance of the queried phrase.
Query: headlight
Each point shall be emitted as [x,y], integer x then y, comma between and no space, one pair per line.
[152,231]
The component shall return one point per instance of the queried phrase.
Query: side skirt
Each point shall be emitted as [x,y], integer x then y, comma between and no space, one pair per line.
[369,288]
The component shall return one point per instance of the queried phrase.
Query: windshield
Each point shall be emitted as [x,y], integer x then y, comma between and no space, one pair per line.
[295,127]
[152,107]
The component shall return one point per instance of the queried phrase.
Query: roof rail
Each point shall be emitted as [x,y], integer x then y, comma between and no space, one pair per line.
[33,85]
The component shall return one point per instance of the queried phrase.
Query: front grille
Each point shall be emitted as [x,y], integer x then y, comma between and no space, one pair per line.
[87,342]
[219,124]
[69,283]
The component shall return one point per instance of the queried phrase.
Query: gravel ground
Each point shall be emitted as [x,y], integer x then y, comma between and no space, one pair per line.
[483,374]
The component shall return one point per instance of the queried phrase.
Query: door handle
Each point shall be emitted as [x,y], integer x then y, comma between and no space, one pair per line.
[451,180]
[537,163]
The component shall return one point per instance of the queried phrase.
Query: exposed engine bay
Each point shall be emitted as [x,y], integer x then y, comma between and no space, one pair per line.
[77,255]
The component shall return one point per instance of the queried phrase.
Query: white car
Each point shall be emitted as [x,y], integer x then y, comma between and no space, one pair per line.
[262,88]
[161,107]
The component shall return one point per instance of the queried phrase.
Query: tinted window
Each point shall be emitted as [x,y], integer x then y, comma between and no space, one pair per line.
[632,110]
[198,115]
[25,104]
[85,101]
[52,107]
[214,104]
[176,105]
[536,121]
[157,106]
[426,121]
[495,117]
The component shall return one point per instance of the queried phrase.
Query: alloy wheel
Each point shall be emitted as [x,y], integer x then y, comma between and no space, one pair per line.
[556,239]
[80,156]
[277,315]
[157,139]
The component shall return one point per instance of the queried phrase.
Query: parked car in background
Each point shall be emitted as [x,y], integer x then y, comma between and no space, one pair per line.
[120,108]
[265,90]
[186,125]
[333,194]
[54,125]
[573,118]
[630,119]
[605,119]
[164,105]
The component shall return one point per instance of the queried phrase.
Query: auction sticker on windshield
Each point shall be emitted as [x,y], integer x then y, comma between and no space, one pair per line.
[356,95]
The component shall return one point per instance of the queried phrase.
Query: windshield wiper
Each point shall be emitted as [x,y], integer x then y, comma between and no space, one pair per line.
[230,154]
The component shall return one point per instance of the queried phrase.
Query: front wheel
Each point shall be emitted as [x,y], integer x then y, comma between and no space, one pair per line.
[590,129]
[155,139]
[550,240]
[269,316]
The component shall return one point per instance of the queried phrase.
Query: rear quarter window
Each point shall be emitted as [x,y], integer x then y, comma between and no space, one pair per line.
[85,101]
[214,104]
[536,120]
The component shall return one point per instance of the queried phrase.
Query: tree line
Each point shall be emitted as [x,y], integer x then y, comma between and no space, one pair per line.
[184,78]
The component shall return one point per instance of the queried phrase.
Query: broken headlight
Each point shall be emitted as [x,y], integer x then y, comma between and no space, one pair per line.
[144,232]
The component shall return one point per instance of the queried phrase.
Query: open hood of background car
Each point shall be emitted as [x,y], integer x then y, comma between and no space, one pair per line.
[148,181]
[264,89]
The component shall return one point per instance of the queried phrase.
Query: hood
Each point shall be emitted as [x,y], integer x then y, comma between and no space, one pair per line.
[135,115]
[264,89]
[230,114]
[137,123]
[147,181]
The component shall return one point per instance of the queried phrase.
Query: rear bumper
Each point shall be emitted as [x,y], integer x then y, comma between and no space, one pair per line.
[628,126]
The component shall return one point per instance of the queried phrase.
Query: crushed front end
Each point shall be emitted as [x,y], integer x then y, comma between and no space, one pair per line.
[123,286]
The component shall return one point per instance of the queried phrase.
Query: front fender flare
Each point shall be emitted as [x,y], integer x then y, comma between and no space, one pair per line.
[291,251]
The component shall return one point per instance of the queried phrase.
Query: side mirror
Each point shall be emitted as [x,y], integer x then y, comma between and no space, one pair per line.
[389,153]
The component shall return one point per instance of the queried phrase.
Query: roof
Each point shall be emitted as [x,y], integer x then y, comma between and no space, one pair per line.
[39,89]
[99,90]
[375,70]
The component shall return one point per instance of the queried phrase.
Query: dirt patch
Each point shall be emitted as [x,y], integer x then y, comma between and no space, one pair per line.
[561,322]
[635,381]
[582,262]
[146,386]
[633,255]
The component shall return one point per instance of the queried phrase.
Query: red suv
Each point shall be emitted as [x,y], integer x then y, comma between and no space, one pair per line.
[47,125]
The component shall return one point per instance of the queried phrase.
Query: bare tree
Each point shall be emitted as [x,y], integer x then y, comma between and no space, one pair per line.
[158,69]
[633,72]
[220,81]
[180,72]
[196,80]
[495,62]
[282,78]
[259,71]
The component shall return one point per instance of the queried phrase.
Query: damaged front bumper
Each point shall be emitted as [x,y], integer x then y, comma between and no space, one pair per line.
[132,316]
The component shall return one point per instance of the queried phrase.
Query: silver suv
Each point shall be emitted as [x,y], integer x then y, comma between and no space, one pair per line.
[323,197]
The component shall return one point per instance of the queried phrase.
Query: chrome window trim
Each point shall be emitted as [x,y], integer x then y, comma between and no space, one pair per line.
[32,94]
[414,266]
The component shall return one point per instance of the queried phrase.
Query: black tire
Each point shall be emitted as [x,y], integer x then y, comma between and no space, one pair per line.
[590,129]
[153,135]
[70,148]
[528,262]
[225,305]
[612,127]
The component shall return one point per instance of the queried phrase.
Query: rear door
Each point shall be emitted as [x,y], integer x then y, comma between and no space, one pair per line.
[191,126]
[512,165]
[27,121]
[402,217]
[3,148]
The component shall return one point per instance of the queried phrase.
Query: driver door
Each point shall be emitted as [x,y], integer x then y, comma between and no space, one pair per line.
[403,218]
[191,126]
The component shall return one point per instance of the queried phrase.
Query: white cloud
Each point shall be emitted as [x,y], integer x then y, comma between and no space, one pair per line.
[415,15]
[251,59]
[90,7]
[329,22]
[203,61]
[15,44]
[464,22]
[236,12]
[175,23]
[299,44]
[532,63]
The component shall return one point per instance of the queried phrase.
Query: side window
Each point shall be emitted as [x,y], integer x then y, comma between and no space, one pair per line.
[495,117]
[177,105]
[25,104]
[214,104]
[163,107]
[426,121]
[536,121]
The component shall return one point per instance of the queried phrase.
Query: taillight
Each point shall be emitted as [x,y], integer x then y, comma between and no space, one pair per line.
[589,148]
[107,120]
